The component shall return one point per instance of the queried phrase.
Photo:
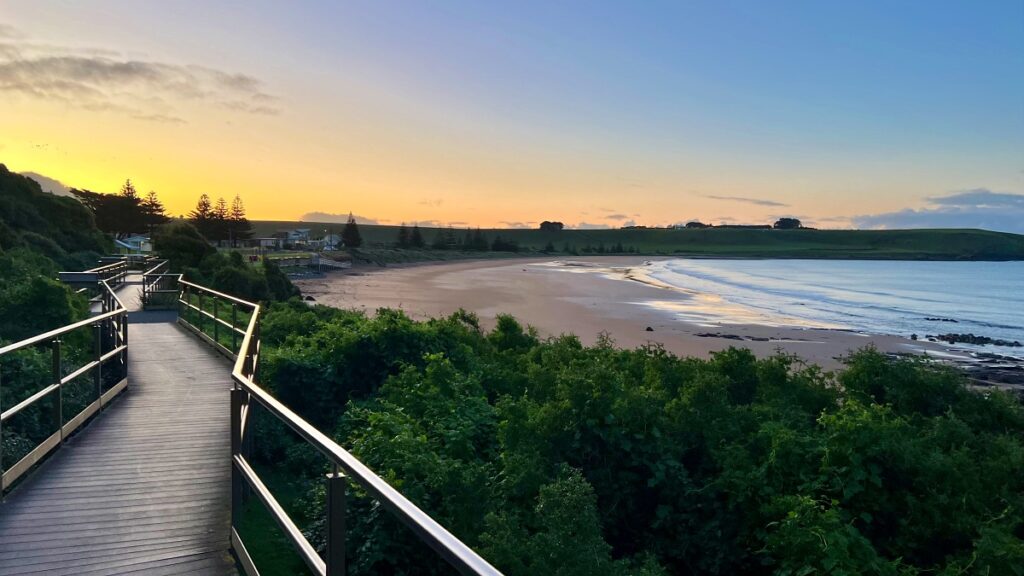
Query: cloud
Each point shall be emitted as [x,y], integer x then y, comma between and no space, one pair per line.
[103,80]
[757,201]
[9,32]
[520,225]
[978,208]
[629,223]
[328,218]
[48,184]
[617,217]
[589,226]
[164,118]
[980,198]
[434,203]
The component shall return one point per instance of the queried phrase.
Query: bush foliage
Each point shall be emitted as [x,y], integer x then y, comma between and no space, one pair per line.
[189,252]
[550,457]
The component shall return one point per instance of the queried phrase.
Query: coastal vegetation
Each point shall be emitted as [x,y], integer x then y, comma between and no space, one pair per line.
[550,457]
[919,244]
[40,234]
[188,252]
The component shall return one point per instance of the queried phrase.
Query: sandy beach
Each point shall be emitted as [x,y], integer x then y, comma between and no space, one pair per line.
[585,297]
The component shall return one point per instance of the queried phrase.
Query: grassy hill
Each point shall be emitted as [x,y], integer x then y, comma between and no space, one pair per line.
[929,244]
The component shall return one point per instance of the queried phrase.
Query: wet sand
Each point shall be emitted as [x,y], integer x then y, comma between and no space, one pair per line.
[588,297]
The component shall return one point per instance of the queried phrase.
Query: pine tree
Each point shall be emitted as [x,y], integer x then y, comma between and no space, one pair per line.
[240,227]
[479,241]
[202,215]
[220,223]
[440,241]
[350,234]
[153,213]
[417,237]
[128,207]
[403,236]
[128,190]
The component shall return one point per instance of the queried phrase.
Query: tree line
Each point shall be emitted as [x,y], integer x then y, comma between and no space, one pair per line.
[218,222]
[471,240]
[124,213]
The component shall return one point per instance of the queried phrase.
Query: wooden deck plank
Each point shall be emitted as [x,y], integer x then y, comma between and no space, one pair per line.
[145,487]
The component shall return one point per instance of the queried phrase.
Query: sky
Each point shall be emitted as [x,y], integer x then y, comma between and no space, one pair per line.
[844,114]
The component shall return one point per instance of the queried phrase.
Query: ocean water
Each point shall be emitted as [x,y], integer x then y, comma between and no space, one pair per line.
[877,297]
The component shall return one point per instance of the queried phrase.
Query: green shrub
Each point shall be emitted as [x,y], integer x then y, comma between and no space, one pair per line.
[551,457]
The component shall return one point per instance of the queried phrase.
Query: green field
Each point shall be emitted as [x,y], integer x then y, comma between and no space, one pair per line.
[930,244]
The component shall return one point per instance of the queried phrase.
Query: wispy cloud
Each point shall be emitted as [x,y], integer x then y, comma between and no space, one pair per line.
[103,80]
[980,198]
[516,224]
[590,226]
[977,208]
[432,203]
[757,201]
[329,218]
[617,217]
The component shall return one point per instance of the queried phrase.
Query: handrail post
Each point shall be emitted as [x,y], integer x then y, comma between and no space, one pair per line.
[59,408]
[1,435]
[237,400]
[234,328]
[216,322]
[335,560]
[123,323]
[98,353]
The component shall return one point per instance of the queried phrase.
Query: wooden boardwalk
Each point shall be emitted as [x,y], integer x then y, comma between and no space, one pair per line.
[144,488]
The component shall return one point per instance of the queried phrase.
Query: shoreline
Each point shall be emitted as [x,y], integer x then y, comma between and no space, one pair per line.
[591,295]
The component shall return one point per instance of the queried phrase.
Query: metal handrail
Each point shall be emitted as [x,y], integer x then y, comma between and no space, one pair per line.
[113,274]
[345,466]
[110,343]
[155,281]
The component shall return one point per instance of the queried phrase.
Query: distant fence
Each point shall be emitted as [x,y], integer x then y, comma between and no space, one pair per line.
[313,263]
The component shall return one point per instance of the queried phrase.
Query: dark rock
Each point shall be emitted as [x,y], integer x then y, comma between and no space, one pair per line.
[913,336]
[649,329]
[936,319]
[719,335]
[953,338]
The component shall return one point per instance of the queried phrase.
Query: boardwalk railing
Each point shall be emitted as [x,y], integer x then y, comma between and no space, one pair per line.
[39,422]
[113,274]
[218,317]
[159,289]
